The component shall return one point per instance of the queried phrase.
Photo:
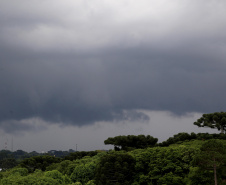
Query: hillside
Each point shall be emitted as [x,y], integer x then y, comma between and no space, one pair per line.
[173,164]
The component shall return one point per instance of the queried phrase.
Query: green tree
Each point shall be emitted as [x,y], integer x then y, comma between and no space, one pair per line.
[5,154]
[39,162]
[198,176]
[62,167]
[78,155]
[84,170]
[57,176]
[17,179]
[8,163]
[213,120]
[131,142]
[164,165]
[212,156]
[92,182]
[115,168]
[20,171]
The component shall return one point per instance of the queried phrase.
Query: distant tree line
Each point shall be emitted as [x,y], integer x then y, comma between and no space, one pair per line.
[37,160]
[183,136]
[20,154]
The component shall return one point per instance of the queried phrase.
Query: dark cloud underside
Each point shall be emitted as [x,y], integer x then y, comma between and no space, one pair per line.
[104,70]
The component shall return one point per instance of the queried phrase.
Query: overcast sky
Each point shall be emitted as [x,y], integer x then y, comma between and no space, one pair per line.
[78,71]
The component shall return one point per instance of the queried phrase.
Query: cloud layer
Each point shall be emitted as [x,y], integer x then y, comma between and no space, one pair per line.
[80,62]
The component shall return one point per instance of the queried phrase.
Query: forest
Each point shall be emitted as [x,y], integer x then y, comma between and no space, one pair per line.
[183,159]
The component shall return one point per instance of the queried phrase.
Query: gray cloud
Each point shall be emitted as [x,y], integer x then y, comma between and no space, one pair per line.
[17,128]
[88,62]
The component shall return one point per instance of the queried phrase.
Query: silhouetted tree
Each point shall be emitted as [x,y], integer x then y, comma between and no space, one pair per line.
[131,142]
[213,120]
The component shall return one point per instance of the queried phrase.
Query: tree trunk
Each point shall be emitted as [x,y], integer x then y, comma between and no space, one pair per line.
[215,172]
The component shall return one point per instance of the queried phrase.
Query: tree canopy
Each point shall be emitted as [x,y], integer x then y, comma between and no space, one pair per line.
[213,120]
[212,156]
[39,162]
[131,142]
[115,168]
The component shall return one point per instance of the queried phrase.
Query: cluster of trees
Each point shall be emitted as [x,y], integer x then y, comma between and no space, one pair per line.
[19,155]
[185,159]
[189,163]
[9,159]
[53,171]
[116,168]
[183,136]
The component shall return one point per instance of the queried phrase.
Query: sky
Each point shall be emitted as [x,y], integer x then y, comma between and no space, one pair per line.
[75,72]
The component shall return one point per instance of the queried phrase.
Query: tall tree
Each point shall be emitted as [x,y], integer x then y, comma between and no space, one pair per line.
[213,120]
[211,156]
[131,142]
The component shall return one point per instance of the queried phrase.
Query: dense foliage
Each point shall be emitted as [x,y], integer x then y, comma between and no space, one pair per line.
[180,137]
[213,120]
[39,162]
[212,156]
[131,142]
[163,165]
[78,155]
[115,168]
[174,164]
[184,159]
[9,159]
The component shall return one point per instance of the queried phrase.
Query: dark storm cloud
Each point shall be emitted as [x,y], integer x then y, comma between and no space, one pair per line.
[113,70]
[18,127]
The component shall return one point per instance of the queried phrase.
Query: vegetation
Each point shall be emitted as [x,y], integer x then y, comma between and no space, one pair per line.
[180,137]
[184,159]
[131,142]
[213,120]
[38,162]
[181,163]
[212,156]
[115,168]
